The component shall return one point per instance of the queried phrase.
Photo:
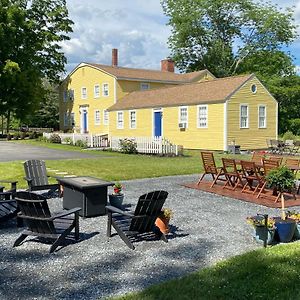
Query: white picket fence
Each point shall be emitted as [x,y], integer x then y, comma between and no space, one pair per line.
[149,145]
[92,140]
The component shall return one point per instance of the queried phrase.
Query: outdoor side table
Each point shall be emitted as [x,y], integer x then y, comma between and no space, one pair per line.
[89,193]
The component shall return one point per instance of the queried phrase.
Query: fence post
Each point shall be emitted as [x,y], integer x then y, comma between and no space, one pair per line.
[73,138]
[91,137]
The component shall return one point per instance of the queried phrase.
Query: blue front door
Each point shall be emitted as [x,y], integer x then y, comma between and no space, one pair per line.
[85,121]
[157,123]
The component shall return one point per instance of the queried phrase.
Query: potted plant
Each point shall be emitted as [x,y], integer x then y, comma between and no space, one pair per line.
[162,221]
[117,197]
[295,216]
[283,180]
[264,228]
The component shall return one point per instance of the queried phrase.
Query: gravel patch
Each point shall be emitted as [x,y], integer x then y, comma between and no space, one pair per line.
[205,229]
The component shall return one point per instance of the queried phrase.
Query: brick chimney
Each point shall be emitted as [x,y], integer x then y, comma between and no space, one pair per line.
[114,57]
[167,65]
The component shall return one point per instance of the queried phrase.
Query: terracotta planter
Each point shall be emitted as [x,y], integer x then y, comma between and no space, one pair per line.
[162,224]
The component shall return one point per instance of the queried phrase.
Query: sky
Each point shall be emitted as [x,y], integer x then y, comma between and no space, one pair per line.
[137,28]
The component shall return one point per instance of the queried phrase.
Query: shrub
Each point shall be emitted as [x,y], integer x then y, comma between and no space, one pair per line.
[34,135]
[43,139]
[55,138]
[81,144]
[68,141]
[128,146]
[288,136]
[23,135]
[17,136]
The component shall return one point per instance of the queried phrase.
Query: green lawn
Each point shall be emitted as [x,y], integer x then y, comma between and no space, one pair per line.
[110,165]
[271,273]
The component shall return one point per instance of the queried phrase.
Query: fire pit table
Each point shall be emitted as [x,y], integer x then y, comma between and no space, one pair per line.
[86,192]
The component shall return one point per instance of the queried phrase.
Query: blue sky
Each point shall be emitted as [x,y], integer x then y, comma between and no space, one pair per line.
[136,27]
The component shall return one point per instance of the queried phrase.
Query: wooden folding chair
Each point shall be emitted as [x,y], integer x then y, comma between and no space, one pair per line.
[233,176]
[251,174]
[210,168]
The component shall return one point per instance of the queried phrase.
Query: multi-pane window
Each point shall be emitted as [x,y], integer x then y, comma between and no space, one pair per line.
[97,91]
[105,89]
[244,118]
[71,95]
[65,95]
[97,117]
[105,117]
[83,93]
[145,86]
[72,119]
[66,119]
[262,114]
[202,116]
[183,115]
[120,120]
[132,119]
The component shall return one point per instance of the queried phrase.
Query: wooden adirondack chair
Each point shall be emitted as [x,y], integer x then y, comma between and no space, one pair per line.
[8,206]
[37,178]
[36,214]
[131,226]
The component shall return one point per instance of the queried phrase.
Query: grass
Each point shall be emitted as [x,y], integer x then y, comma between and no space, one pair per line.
[271,273]
[110,166]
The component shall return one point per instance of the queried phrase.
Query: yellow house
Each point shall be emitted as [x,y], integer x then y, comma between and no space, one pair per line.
[90,89]
[204,115]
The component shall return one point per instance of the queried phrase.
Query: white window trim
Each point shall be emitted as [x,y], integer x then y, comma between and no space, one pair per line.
[97,96]
[122,113]
[146,83]
[82,96]
[198,121]
[105,122]
[97,122]
[265,106]
[248,121]
[130,125]
[187,115]
[103,84]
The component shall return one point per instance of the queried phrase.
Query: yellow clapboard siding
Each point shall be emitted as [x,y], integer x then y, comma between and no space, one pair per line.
[252,137]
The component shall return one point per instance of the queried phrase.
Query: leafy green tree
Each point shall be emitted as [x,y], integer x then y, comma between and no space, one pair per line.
[31,33]
[220,35]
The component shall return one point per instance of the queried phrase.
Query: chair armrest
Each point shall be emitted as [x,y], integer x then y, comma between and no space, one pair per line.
[119,211]
[28,179]
[66,213]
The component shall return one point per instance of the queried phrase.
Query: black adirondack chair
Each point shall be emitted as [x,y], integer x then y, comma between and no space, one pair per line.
[37,178]
[131,226]
[8,206]
[36,214]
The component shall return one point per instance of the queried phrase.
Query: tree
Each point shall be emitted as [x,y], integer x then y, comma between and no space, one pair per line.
[31,32]
[220,35]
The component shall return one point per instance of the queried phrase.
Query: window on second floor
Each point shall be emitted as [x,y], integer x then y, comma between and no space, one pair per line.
[262,116]
[132,119]
[72,119]
[120,120]
[97,117]
[71,95]
[105,89]
[66,119]
[83,93]
[96,91]
[65,96]
[105,117]
[202,116]
[244,117]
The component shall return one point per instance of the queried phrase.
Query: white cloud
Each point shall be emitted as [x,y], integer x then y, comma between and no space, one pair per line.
[136,27]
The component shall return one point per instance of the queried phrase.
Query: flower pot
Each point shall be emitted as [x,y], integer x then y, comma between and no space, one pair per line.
[162,224]
[262,234]
[116,200]
[285,229]
[297,231]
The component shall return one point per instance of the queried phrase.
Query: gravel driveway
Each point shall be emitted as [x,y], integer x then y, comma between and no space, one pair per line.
[206,228]
[10,151]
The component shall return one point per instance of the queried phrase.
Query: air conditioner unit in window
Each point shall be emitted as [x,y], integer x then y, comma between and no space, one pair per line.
[182,125]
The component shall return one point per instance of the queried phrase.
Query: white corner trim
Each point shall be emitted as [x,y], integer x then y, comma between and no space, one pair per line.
[225,129]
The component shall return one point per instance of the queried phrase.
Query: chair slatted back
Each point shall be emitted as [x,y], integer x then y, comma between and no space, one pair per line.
[249,169]
[148,208]
[257,157]
[36,170]
[229,166]
[269,165]
[209,164]
[292,162]
[35,211]
[276,158]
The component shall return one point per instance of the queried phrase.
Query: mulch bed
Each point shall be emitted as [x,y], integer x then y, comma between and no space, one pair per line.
[266,198]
